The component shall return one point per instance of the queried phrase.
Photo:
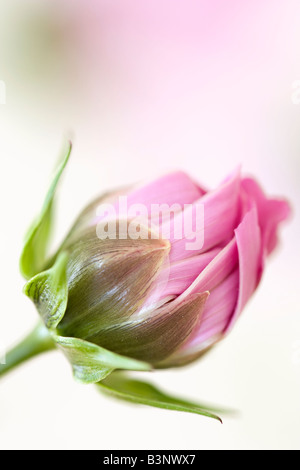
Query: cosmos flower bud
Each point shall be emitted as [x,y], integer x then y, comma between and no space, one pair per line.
[148,277]
[154,275]
[152,298]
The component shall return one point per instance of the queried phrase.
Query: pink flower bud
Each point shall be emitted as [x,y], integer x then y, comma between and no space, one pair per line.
[161,272]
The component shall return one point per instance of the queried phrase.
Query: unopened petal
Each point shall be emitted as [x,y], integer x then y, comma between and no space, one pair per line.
[249,244]
[172,188]
[217,313]
[183,273]
[157,199]
[211,325]
[209,222]
[216,271]
[270,213]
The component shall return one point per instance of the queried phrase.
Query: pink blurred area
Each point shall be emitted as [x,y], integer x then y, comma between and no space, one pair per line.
[200,84]
[154,85]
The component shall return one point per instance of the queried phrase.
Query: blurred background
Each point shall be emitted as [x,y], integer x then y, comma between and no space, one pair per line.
[143,87]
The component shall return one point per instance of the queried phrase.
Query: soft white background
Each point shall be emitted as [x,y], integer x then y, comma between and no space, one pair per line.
[144,89]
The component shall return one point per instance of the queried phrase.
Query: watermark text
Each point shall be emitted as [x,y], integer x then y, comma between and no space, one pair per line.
[139,221]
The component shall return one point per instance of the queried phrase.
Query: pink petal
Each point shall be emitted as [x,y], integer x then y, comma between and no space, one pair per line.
[221,213]
[183,273]
[217,271]
[157,199]
[173,188]
[270,213]
[221,279]
[248,239]
[217,312]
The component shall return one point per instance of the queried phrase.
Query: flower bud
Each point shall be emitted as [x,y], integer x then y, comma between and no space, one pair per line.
[119,297]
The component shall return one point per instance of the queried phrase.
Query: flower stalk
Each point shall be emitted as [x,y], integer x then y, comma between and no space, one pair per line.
[36,342]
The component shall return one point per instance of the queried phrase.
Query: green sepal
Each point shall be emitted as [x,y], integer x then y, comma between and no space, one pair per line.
[34,253]
[49,292]
[144,393]
[91,363]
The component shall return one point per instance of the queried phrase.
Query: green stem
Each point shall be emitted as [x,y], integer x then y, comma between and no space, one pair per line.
[37,342]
